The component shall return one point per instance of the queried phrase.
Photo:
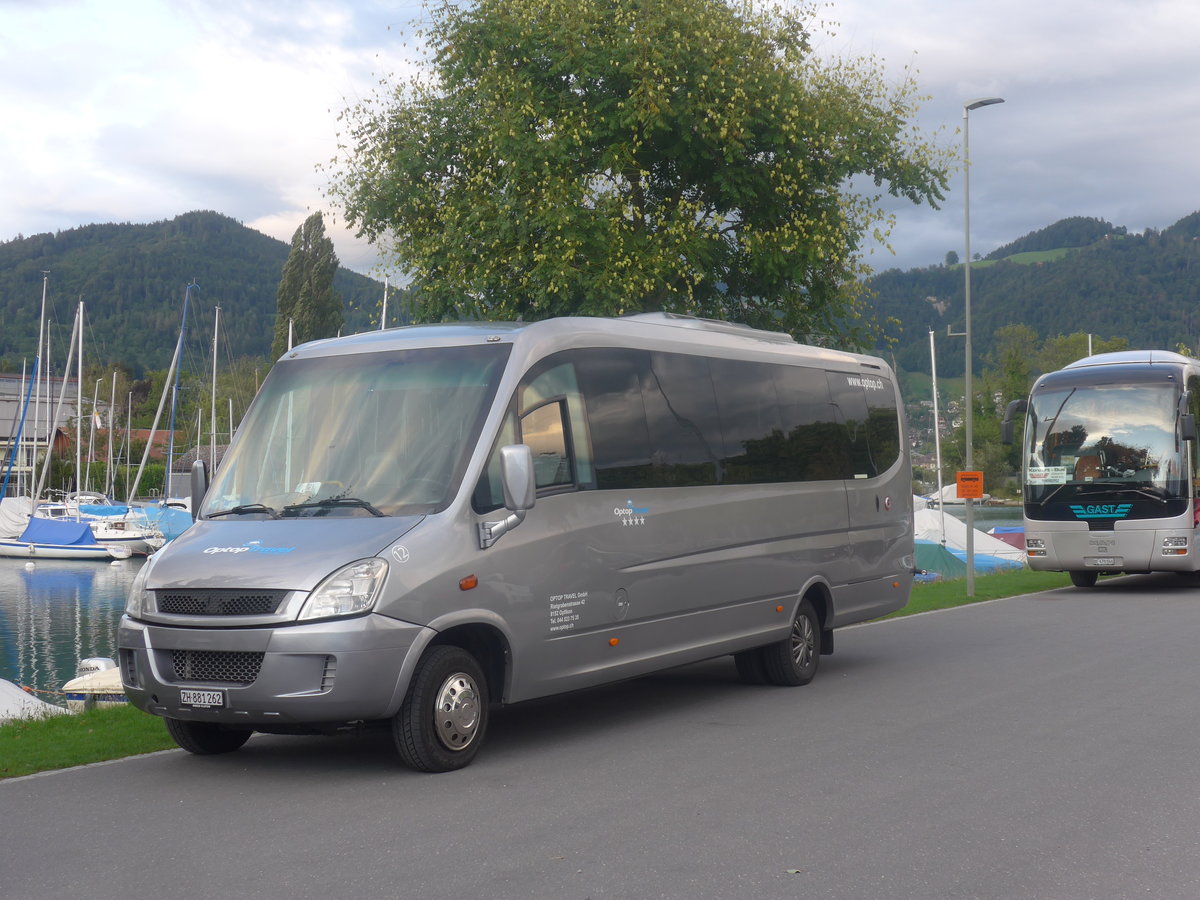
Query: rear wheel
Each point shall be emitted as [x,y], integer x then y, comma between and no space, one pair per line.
[1084,579]
[206,738]
[444,718]
[793,661]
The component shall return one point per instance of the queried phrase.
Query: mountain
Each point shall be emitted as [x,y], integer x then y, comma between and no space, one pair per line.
[1078,275]
[131,279]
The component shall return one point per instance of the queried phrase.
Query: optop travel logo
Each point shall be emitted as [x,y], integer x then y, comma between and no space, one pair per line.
[1101,510]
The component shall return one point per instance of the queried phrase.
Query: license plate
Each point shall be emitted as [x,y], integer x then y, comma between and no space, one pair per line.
[202,698]
[1101,561]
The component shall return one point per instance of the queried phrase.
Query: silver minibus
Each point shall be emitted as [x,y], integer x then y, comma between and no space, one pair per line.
[416,524]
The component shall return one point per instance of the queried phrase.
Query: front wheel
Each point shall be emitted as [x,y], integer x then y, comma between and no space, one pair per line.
[444,718]
[793,661]
[1084,579]
[206,738]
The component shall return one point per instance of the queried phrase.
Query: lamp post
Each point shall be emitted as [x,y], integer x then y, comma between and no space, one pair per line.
[970,456]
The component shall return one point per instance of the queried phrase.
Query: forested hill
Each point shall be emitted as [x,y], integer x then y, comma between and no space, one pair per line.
[131,279]
[1078,275]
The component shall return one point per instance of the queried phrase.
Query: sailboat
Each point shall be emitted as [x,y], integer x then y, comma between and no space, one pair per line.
[51,539]
[46,536]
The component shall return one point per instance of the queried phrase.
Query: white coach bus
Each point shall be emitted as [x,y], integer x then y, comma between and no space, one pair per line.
[1109,465]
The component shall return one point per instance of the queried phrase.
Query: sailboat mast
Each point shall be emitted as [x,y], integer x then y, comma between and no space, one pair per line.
[108,468]
[212,458]
[79,407]
[187,292]
[62,394]
[37,391]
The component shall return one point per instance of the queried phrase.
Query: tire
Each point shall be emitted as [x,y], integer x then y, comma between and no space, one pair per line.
[444,718]
[750,666]
[793,661]
[1084,579]
[206,738]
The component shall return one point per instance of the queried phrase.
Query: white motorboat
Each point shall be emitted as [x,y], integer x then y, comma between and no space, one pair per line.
[97,683]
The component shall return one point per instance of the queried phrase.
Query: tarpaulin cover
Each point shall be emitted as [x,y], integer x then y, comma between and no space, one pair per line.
[65,534]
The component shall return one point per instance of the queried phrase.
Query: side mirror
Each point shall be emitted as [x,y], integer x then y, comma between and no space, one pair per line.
[1017,407]
[1187,420]
[516,477]
[199,485]
[520,492]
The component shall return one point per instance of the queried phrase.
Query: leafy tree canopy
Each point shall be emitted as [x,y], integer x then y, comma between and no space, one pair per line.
[610,156]
[305,299]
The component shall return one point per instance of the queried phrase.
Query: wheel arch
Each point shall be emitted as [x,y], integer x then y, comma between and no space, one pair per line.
[818,592]
[491,648]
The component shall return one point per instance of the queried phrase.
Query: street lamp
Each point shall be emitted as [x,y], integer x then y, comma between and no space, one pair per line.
[970,460]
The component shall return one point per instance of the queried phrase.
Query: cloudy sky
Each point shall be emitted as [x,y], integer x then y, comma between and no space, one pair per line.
[139,110]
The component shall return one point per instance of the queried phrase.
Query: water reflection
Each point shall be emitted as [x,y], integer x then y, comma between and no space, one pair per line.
[53,614]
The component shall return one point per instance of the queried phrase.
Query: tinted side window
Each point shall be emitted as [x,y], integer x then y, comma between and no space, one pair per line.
[612,393]
[681,415]
[868,409]
[883,426]
[754,450]
[815,447]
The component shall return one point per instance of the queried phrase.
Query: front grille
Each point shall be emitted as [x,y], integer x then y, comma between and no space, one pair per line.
[219,602]
[216,665]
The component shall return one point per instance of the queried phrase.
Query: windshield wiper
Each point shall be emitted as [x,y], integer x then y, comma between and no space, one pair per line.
[331,503]
[1159,494]
[245,509]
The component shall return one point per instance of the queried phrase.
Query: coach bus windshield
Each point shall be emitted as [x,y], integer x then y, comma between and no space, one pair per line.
[1106,441]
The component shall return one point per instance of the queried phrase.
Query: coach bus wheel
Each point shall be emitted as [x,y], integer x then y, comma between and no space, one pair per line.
[793,661]
[206,738]
[444,717]
[1084,579]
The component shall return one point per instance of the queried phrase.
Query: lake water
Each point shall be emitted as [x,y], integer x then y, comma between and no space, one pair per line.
[55,613]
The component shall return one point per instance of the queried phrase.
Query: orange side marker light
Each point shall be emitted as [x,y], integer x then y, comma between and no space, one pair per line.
[466,584]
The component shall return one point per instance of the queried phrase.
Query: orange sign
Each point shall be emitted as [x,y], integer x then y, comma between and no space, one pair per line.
[970,485]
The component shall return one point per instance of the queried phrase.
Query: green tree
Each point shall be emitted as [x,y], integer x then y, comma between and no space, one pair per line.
[306,297]
[1064,349]
[611,156]
[951,258]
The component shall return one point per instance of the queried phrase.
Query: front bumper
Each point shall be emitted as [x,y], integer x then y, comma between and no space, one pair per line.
[320,673]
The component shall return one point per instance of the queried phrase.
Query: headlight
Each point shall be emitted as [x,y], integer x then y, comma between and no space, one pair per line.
[349,591]
[136,602]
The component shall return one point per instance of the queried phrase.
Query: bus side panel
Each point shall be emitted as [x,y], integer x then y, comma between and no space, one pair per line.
[671,576]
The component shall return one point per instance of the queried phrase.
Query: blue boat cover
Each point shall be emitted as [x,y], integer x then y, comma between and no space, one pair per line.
[49,531]
[95,509]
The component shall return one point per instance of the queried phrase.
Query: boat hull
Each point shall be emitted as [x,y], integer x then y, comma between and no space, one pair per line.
[27,550]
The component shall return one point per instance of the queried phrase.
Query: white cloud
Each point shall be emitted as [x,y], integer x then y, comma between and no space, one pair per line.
[146,109]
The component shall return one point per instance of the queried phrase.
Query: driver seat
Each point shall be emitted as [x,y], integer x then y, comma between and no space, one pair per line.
[1088,467]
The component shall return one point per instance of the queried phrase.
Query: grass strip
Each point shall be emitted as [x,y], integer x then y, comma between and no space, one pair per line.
[58,742]
[948,594]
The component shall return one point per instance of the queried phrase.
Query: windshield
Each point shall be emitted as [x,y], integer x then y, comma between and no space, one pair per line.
[1108,441]
[365,435]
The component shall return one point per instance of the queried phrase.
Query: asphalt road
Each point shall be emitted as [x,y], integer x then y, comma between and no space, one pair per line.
[1037,747]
